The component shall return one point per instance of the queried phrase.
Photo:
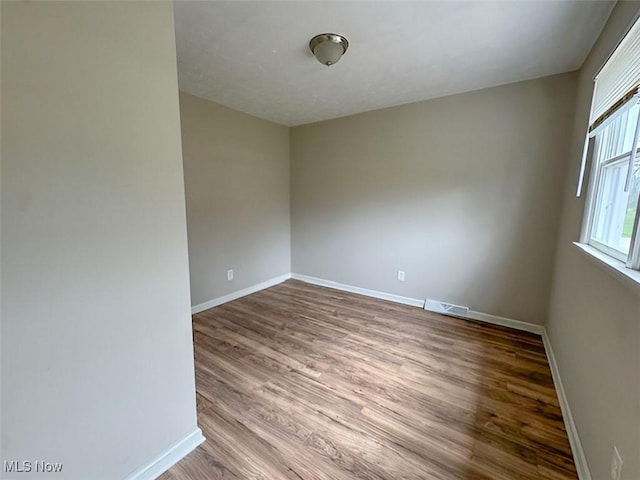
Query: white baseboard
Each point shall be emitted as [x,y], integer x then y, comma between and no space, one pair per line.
[579,457]
[168,459]
[362,291]
[238,294]
[483,317]
[506,322]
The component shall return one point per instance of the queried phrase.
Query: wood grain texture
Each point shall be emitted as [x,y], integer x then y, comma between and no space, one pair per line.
[305,382]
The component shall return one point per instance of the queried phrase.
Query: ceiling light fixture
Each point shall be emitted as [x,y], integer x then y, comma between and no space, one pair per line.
[328,48]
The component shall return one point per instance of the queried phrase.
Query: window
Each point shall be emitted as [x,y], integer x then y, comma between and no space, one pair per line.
[615,192]
[612,220]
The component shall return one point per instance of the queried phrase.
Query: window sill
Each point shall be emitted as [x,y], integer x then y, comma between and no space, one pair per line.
[610,265]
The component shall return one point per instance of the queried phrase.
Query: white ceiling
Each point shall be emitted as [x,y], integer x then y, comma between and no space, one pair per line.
[254,56]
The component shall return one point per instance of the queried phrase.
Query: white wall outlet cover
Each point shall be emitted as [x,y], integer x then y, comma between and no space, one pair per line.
[401,275]
[616,464]
[229,274]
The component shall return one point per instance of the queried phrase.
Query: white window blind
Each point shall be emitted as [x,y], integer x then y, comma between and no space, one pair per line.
[619,74]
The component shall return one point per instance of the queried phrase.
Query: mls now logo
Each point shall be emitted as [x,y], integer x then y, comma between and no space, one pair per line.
[25,466]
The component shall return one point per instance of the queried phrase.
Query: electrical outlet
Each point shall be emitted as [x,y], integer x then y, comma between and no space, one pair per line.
[616,464]
[401,275]
[229,275]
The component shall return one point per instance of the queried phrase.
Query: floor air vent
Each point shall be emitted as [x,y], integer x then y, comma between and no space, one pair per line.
[445,308]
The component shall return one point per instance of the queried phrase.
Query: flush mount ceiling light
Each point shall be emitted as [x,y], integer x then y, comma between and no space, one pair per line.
[328,48]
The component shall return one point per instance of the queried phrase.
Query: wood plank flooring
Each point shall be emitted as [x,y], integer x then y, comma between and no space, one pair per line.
[304,382]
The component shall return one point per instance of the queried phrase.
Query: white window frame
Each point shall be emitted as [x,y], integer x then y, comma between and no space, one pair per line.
[594,190]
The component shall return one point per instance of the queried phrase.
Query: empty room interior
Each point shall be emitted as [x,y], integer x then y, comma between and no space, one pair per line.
[320,240]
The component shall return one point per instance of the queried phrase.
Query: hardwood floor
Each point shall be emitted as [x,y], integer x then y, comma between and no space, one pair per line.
[304,382]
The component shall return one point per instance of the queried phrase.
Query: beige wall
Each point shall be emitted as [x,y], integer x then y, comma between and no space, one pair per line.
[460,192]
[594,320]
[237,183]
[97,363]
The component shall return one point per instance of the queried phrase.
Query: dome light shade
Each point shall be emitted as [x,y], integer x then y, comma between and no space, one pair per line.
[328,48]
